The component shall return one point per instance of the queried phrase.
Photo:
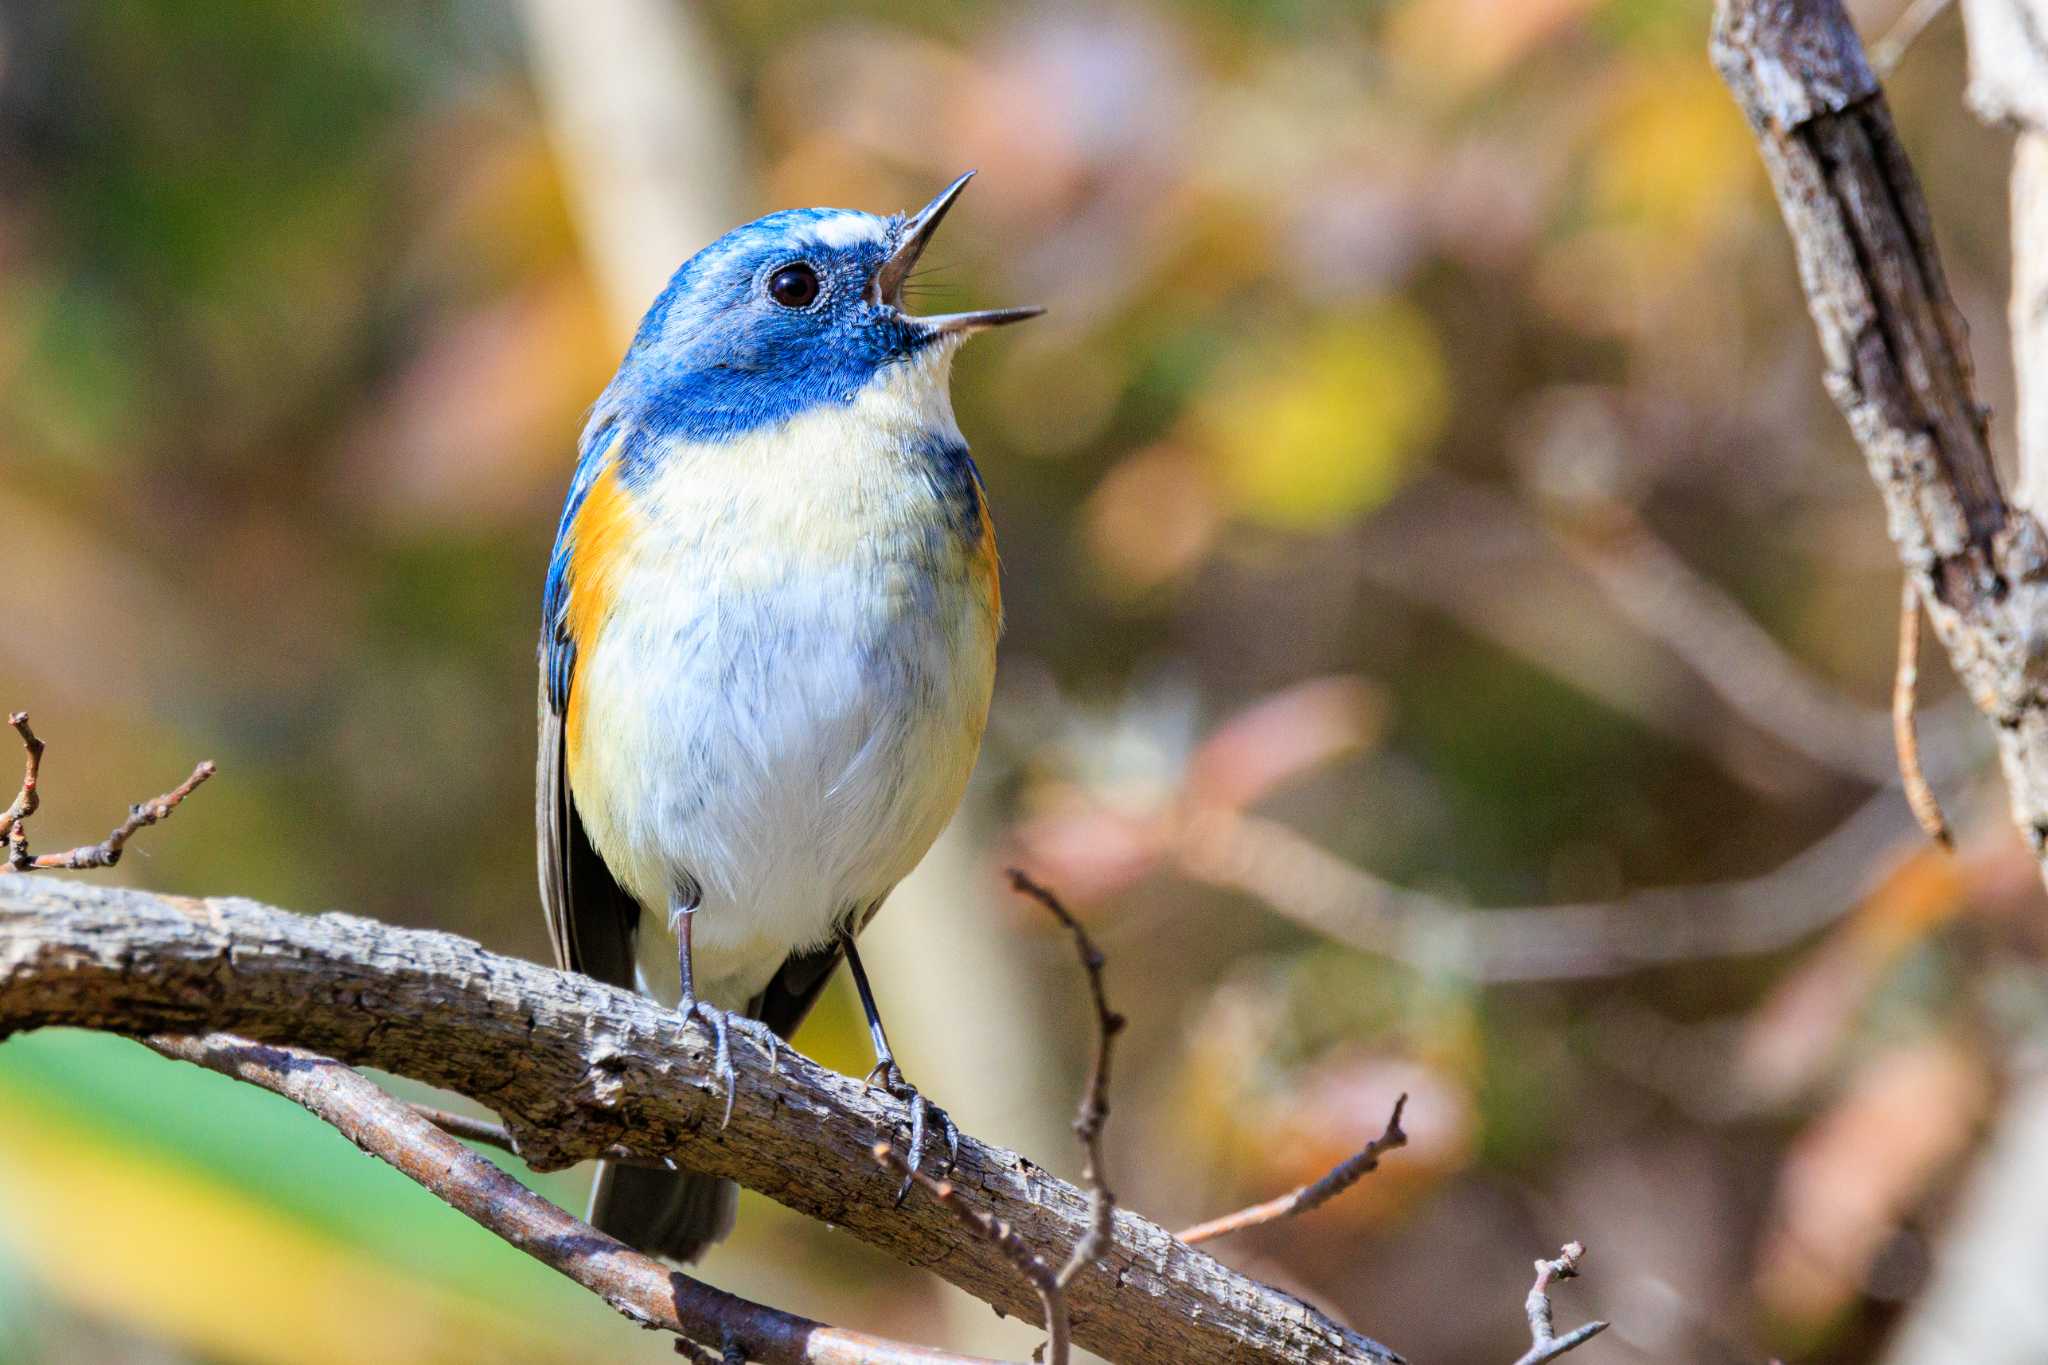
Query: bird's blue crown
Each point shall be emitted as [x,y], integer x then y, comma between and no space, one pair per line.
[718,355]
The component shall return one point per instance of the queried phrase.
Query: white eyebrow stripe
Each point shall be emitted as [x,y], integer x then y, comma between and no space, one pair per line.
[846,229]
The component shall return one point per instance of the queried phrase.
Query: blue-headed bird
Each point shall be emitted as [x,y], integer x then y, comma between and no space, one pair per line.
[767,650]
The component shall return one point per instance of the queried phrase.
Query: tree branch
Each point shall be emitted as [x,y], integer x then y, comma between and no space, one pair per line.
[576,1069]
[642,1289]
[1898,364]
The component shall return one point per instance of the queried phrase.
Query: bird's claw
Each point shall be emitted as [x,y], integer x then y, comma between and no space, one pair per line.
[715,1019]
[886,1075]
[764,1037]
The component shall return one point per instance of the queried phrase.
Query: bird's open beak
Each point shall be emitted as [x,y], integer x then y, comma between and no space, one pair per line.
[916,235]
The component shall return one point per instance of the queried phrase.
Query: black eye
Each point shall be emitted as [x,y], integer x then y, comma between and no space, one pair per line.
[794,286]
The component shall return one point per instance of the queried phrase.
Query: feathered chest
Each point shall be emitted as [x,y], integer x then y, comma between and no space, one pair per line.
[783,653]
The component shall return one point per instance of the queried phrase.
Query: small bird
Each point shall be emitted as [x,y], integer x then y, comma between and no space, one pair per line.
[767,649]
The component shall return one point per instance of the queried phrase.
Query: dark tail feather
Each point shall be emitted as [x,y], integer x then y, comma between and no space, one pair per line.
[678,1214]
[675,1214]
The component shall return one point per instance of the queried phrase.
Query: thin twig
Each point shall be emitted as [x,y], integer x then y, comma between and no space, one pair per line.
[644,1290]
[107,852]
[1544,1344]
[24,804]
[485,1133]
[1094,1110]
[1905,734]
[1340,1178]
[1889,50]
[1003,1237]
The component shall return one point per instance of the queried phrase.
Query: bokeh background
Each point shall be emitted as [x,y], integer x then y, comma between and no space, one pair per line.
[1449,637]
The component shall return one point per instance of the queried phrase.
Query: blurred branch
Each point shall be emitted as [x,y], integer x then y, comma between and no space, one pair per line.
[2009,85]
[1544,1344]
[576,1069]
[1897,362]
[1905,734]
[1340,1178]
[1657,594]
[641,119]
[105,853]
[1315,888]
[1889,50]
[644,1290]
[1992,1255]
[1664,597]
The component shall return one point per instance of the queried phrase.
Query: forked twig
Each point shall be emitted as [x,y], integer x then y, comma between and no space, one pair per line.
[107,852]
[1545,1344]
[1340,1178]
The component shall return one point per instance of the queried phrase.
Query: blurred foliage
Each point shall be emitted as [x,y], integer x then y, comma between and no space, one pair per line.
[298,330]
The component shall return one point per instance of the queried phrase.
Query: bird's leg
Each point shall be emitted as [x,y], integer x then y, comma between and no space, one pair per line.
[890,1077]
[713,1017]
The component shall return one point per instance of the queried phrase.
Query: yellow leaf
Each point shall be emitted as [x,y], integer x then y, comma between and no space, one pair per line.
[1310,435]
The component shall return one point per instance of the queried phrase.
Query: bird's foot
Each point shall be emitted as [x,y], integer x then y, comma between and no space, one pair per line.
[718,1022]
[886,1075]
[764,1037]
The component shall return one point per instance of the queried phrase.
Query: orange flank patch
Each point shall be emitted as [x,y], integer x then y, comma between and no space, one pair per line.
[599,541]
[989,562]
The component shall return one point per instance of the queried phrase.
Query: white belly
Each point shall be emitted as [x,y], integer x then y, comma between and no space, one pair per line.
[786,740]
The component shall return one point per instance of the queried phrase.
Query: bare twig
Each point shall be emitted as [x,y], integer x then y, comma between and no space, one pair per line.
[24,804]
[1340,1178]
[1094,1111]
[1889,50]
[107,852]
[639,1287]
[1905,735]
[1544,1344]
[1003,1237]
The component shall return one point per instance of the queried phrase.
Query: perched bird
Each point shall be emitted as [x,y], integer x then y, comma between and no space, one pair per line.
[767,647]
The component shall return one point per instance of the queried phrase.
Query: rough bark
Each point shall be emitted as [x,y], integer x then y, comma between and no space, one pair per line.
[640,1288]
[575,1067]
[1897,362]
